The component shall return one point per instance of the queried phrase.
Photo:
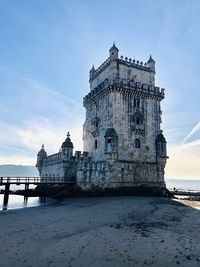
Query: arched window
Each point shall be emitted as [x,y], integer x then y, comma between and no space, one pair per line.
[137,143]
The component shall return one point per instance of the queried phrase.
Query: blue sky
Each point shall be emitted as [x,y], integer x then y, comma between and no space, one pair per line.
[47,48]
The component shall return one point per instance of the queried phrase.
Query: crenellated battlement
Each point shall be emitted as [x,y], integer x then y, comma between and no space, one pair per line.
[126,84]
[148,66]
[102,67]
[123,60]
[54,158]
[134,63]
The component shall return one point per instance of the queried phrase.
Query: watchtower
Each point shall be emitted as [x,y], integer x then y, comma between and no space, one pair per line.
[122,131]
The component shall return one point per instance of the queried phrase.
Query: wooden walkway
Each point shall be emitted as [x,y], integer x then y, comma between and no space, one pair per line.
[10,180]
[31,180]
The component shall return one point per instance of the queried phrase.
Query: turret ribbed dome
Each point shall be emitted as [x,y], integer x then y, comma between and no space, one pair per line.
[113,48]
[110,132]
[42,152]
[160,138]
[150,60]
[139,114]
[67,143]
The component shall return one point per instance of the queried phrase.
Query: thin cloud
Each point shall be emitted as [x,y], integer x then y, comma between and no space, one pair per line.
[27,139]
[195,129]
[40,117]
[35,85]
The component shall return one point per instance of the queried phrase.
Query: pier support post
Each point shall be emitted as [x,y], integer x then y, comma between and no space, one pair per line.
[26,193]
[6,195]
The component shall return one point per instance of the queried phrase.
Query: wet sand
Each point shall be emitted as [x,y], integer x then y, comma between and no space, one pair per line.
[102,231]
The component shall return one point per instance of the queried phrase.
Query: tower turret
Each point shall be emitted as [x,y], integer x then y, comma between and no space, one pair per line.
[92,72]
[42,154]
[161,143]
[67,148]
[114,52]
[151,64]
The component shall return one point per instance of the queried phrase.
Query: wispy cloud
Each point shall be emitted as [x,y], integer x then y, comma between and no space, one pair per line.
[34,85]
[183,163]
[184,156]
[35,115]
[194,130]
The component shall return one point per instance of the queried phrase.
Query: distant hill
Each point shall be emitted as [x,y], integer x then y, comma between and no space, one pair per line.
[18,170]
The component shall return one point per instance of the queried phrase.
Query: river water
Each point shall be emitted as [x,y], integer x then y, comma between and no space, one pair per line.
[16,201]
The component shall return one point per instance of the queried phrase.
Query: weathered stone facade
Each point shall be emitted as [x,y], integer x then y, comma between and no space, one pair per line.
[122,138]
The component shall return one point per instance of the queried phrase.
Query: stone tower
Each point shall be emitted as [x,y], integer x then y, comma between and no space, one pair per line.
[121,133]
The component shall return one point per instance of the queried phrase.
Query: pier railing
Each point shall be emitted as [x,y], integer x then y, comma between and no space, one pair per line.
[32,180]
[7,181]
[185,192]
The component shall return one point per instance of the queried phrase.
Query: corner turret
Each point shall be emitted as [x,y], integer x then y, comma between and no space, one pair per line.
[42,154]
[161,145]
[67,148]
[151,64]
[114,52]
[92,72]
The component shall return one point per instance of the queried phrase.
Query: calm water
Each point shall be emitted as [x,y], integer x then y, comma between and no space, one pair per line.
[16,202]
[183,184]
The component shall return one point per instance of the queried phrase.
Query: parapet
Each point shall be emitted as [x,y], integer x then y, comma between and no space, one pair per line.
[126,84]
[78,155]
[52,159]
[123,60]
[94,73]
[134,63]
[85,155]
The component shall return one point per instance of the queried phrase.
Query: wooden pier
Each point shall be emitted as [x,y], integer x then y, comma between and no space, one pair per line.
[7,181]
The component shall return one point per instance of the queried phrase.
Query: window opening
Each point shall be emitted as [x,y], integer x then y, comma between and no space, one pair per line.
[95,144]
[137,143]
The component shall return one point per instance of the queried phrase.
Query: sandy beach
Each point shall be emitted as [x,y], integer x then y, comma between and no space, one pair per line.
[102,231]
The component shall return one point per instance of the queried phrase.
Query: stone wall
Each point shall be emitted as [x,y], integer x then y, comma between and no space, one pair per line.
[116,110]
[113,174]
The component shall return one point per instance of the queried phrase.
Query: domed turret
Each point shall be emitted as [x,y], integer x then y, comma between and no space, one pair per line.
[42,154]
[67,148]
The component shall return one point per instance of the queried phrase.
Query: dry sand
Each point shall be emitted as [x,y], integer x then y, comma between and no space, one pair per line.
[103,231]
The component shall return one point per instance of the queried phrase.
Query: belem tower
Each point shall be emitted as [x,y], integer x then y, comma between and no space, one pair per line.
[124,146]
